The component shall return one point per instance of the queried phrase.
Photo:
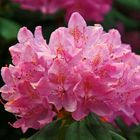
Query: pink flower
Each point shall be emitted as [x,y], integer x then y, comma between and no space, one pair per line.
[45,6]
[89,9]
[82,69]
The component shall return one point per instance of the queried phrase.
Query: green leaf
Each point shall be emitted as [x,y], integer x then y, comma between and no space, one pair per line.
[72,132]
[50,132]
[116,136]
[115,16]
[91,128]
[109,21]
[130,23]
[84,132]
[130,3]
[8,29]
[125,129]
[98,130]
[79,131]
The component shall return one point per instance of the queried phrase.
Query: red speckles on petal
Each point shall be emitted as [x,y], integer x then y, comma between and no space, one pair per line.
[83,69]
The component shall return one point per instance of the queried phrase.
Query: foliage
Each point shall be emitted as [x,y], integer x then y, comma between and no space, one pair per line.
[91,128]
[12,18]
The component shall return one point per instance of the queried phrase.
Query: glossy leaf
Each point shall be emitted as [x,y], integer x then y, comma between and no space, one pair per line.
[79,131]
[99,131]
[116,136]
[50,132]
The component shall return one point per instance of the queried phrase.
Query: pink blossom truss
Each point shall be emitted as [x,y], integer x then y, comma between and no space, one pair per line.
[82,69]
[89,9]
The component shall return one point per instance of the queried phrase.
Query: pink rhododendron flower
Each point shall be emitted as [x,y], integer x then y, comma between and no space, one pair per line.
[81,70]
[45,6]
[89,9]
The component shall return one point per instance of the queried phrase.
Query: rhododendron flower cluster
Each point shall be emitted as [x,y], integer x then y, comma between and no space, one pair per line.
[82,69]
[97,8]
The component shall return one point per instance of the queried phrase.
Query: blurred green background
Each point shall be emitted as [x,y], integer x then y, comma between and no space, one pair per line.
[124,16]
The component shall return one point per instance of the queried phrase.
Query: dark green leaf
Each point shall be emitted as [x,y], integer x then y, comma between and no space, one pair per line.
[130,3]
[115,16]
[116,136]
[126,20]
[125,129]
[99,131]
[79,131]
[50,132]
[72,132]
[8,29]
